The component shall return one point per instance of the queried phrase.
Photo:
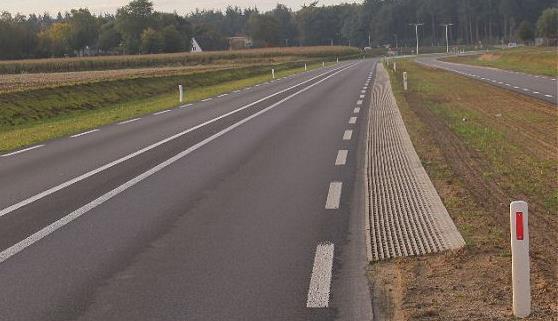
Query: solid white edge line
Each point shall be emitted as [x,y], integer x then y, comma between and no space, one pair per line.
[72,181]
[22,150]
[85,133]
[341,158]
[128,121]
[320,280]
[37,236]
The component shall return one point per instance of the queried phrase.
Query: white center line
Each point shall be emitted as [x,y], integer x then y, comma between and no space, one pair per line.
[128,121]
[334,195]
[341,157]
[161,112]
[320,281]
[352,120]
[85,133]
[347,134]
[22,150]
[356,110]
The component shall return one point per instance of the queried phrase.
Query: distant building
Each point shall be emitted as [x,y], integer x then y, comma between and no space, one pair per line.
[239,42]
[196,46]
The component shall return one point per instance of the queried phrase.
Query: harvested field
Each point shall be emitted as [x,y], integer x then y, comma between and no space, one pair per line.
[482,147]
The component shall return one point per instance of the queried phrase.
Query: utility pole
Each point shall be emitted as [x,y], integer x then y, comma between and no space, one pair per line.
[447,42]
[416,32]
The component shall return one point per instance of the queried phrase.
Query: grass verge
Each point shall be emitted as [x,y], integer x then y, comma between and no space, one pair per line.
[49,124]
[482,147]
[531,60]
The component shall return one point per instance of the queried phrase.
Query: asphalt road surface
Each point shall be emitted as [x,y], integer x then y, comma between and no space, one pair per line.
[542,87]
[246,206]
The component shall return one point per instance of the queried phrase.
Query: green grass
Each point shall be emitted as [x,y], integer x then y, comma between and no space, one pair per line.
[54,122]
[531,60]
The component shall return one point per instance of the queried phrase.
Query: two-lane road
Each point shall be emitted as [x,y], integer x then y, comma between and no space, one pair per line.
[542,87]
[246,206]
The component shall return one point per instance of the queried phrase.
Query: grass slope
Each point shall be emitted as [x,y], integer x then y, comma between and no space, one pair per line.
[31,117]
[531,60]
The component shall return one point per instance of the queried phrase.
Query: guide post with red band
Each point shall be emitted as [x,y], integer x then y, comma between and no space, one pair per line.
[519,223]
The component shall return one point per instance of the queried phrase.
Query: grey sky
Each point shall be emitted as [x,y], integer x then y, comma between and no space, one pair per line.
[110,6]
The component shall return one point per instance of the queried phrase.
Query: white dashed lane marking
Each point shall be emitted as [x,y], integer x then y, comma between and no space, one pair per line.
[85,133]
[356,110]
[347,134]
[320,281]
[352,120]
[341,158]
[161,112]
[22,151]
[334,195]
[128,121]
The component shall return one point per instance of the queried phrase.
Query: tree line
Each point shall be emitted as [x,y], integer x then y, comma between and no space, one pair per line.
[138,28]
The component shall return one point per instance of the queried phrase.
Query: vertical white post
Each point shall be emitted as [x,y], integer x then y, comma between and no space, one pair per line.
[394,66]
[337,59]
[323,63]
[405,80]
[519,223]
[273,73]
[305,67]
[180,93]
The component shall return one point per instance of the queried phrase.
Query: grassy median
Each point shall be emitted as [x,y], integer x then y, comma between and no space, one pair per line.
[531,60]
[482,146]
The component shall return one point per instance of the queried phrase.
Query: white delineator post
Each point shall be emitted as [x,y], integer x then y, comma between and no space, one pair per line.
[305,67]
[273,73]
[519,222]
[180,93]
[394,66]
[337,59]
[405,80]
[323,63]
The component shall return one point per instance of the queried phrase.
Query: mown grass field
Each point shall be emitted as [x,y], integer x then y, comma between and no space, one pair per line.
[531,60]
[31,117]
[261,56]
[482,147]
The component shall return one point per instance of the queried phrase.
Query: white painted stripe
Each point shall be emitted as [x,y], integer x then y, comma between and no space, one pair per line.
[22,150]
[365,87]
[320,281]
[236,91]
[536,92]
[356,110]
[187,105]
[222,95]
[508,85]
[363,91]
[549,96]
[347,134]
[74,180]
[37,236]
[361,96]
[352,120]
[207,99]
[128,121]
[515,87]
[85,133]
[161,112]
[525,89]
[359,102]
[341,157]
[334,195]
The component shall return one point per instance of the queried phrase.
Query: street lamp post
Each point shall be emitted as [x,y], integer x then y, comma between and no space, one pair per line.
[447,41]
[416,32]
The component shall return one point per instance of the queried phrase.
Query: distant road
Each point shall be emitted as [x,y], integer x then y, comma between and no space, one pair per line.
[245,206]
[541,87]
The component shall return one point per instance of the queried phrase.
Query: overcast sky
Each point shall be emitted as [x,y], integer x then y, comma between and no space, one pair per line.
[181,6]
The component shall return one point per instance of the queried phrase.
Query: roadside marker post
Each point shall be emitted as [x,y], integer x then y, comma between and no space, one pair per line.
[405,80]
[180,93]
[394,67]
[323,63]
[519,223]
[305,67]
[273,73]
[337,59]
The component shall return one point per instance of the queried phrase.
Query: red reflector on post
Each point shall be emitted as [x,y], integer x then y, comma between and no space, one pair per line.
[519,225]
